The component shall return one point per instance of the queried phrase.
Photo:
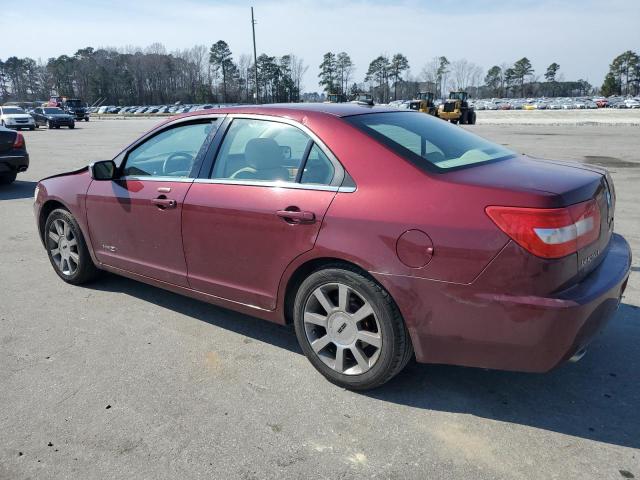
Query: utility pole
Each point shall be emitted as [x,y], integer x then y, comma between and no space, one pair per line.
[255,55]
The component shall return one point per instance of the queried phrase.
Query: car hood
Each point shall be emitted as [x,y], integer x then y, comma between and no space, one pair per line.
[58,115]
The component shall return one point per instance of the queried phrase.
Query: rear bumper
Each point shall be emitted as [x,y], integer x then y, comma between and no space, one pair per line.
[462,325]
[10,163]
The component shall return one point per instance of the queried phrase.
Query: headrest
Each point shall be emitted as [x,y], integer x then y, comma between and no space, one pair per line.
[263,153]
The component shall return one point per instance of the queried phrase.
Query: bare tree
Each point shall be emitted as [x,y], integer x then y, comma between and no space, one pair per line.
[298,69]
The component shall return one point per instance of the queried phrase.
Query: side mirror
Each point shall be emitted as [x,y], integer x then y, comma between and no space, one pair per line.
[104,170]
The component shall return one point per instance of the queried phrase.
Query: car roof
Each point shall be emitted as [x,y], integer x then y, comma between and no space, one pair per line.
[297,110]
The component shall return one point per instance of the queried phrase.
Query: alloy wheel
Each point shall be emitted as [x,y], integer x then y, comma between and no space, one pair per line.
[63,246]
[342,329]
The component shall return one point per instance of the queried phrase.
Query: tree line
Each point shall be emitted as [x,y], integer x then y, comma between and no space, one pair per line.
[386,80]
[135,76]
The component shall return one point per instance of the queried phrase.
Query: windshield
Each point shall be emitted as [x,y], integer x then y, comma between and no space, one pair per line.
[12,110]
[73,103]
[429,142]
[53,111]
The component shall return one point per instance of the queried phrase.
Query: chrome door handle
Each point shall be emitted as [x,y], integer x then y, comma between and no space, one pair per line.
[296,216]
[163,203]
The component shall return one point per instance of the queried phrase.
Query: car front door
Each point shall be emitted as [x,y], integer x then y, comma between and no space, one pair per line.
[257,210]
[135,220]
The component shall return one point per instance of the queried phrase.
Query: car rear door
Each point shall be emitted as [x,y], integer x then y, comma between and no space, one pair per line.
[135,220]
[244,222]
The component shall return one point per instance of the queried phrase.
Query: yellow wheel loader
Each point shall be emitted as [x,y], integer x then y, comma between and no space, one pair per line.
[424,103]
[456,109]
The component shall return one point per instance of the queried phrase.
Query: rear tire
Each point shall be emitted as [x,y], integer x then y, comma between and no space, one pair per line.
[49,125]
[67,249]
[472,120]
[7,178]
[71,127]
[355,336]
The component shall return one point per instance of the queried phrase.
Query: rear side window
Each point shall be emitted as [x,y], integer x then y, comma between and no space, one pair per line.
[429,142]
[261,150]
[318,170]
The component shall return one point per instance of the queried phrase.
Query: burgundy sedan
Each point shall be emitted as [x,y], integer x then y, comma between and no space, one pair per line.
[380,234]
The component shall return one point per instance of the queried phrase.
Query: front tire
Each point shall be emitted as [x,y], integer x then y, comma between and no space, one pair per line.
[67,249]
[350,328]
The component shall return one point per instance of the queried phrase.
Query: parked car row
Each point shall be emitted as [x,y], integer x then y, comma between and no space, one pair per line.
[543,103]
[559,103]
[152,109]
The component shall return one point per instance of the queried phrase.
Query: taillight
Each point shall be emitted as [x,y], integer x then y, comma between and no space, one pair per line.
[550,232]
[19,141]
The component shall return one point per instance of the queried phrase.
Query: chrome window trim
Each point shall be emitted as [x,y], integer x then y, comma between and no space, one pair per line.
[151,178]
[277,184]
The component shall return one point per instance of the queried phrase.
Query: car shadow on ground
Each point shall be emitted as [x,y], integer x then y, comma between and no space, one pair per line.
[17,189]
[597,398]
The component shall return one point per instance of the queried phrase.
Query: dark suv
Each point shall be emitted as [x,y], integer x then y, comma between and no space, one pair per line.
[75,107]
[13,155]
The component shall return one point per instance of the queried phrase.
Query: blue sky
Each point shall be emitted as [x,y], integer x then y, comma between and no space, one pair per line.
[582,36]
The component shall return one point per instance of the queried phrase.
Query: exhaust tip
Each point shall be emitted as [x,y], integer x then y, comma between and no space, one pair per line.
[578,355]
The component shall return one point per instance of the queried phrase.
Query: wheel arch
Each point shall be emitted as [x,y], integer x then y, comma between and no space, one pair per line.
[305,269]
[48,207]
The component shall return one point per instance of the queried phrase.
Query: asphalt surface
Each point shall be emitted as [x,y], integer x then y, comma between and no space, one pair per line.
[122,380]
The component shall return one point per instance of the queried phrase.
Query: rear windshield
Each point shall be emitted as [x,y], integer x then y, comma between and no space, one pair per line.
[428,141]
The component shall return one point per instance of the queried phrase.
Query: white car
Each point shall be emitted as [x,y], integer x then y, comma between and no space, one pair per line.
[15,117]
[632,103]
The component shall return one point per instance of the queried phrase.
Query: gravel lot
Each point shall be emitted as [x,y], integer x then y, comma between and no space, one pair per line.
[122,380]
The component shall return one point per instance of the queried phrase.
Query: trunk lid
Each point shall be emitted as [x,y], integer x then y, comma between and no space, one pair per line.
[567,182]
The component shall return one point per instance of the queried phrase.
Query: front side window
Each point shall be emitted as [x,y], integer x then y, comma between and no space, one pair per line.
[171,153]
[429,142]
[261,150]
